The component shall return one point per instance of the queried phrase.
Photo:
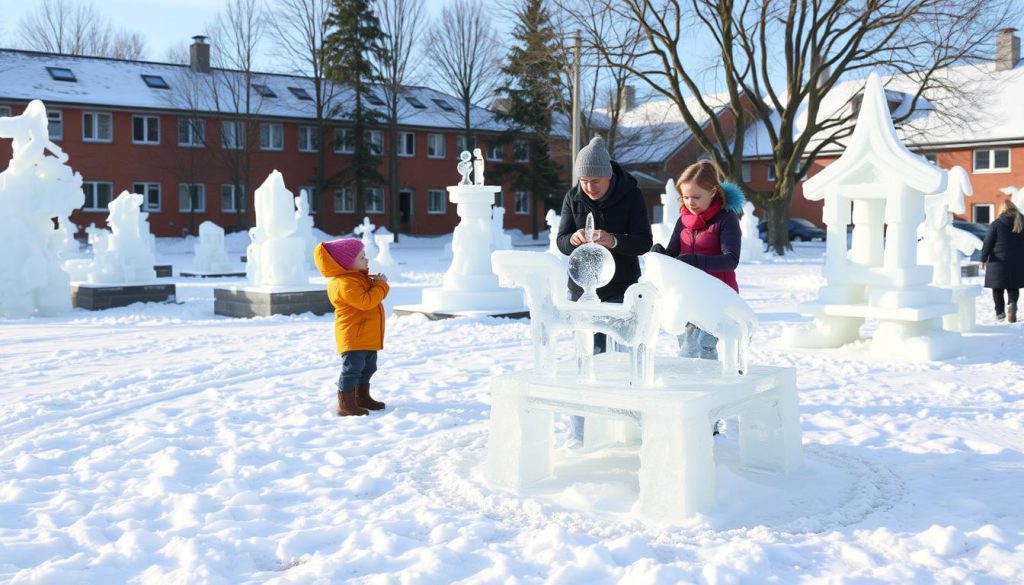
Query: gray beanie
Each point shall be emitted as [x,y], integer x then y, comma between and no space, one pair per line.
[593,160]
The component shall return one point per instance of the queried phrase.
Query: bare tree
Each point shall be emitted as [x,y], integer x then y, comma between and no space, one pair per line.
[68,27]
[778,59]
[464,51]
[299,28]
[190,163]
[401,22]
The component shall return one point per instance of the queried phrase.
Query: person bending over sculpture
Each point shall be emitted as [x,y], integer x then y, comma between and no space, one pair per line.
[358,298]
[621,225]
[1002,257]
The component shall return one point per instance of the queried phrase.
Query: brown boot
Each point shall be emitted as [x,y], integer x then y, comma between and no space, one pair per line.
[347,405]
[1011,313]
[364,400]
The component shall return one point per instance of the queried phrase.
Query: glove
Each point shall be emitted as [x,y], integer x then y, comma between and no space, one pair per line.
[690,259]
[658,248]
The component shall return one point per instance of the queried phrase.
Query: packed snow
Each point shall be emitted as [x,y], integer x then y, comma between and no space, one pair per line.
[160,443]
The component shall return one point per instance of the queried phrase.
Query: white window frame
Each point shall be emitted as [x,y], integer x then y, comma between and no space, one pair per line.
[193,126]
[307,139]
[201,191]
[91,123]
[146,189]
[771,172]
[343,145]
[376,138]
[496,149]
[433,197]
[237,135]
[5,111]
[55,124]
[522,203]
[991,212]
[437,146]
[460,144]
[146,127]
[991,160]
[407,144]
[343,195]
[234,197]
[92,197]
[374,195]
[274,134]
[521,151]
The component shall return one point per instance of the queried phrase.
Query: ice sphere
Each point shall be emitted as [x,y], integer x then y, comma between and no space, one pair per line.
[591,265]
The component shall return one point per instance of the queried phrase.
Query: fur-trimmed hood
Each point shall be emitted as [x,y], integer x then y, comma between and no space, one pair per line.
[733,197]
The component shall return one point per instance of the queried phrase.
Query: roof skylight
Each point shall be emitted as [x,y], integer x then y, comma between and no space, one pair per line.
[266,91]
[373,99]
[415,102]
[155,81]
[61,74]
[443,105]
[300,93]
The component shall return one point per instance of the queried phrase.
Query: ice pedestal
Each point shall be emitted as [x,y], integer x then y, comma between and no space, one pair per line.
[677,467]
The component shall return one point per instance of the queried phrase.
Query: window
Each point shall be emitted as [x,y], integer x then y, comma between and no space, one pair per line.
[745,173]
[436,146]
[232,135]
[495,151]
[232,199]
[97,195]
[373,99]
[155,81]
[61,74]
[521,151]
[460,143]
[55,124]
[300,93]
[150,193]
[406,144]
[982,212]
[435,201]
[97,127]
[991,160]
[308,140]
[191,131]
[191,197]
[522,203]
[145,130]
[771,172]
[344,202]
[271,137]
[443,105]
[344,141]
[264,91]
[375,200]
[498,199]
[416,103]
[931,157]
[5,111]
[376,138]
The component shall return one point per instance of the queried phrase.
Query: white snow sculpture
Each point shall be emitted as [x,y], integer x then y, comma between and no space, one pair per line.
[554,221]
[478,167]
[126,255]
[1016,195]
[365,233]
[751,246]
[275,256]
[34,188]
[63,241]
[499,239]
[384,262]
[880,278]
[304,226]
[669,214]
[210,254]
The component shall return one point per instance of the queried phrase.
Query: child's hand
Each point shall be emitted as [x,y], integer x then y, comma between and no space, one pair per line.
[380,277]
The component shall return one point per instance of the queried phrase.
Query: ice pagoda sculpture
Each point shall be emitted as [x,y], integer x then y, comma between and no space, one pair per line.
[879,277]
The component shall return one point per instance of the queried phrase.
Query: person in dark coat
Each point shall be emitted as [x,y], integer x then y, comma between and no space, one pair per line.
[1002,257]
[621,224]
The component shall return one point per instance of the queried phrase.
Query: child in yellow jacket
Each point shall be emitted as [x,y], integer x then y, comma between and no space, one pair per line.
[357,297]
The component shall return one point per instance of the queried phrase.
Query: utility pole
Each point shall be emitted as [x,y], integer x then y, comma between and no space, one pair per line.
[576,105]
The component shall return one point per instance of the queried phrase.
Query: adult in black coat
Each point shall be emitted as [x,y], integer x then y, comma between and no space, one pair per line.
[1002,256]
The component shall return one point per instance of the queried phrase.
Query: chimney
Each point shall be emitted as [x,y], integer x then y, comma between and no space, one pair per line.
[199,55]
[627,98]
[1007,49]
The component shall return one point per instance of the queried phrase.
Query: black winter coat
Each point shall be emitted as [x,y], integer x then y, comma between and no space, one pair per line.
[622,212]
[1003,254]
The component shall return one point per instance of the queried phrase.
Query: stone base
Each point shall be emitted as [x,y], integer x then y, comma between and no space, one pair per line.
[210,274]
[434,315]
[247,302]
[95,297]
[163,270]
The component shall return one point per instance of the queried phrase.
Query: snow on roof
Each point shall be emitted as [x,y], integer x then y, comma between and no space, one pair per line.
[652,131]
[115,83]
[986,108]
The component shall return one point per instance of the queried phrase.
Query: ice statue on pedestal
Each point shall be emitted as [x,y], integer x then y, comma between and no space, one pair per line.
[384,261]
[751,246]
[465,167]
[126,255]
[365,233]
[880,278]
[304,226]
[499,239]
[662,231]
[276,254]
[210,253]
[478,167]
[35,187]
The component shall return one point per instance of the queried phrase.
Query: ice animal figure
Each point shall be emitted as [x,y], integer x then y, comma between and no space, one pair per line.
[126,255]
[669,214]
[499,239]
[384,261]
[304,226]
[275,256]
[365,233]
[210,254]
[34,188]
[751,246]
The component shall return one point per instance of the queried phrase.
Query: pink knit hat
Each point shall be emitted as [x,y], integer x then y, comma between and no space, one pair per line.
[344,251]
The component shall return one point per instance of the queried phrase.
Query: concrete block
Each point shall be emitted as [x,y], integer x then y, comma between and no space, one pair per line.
[258,302]
[95,297]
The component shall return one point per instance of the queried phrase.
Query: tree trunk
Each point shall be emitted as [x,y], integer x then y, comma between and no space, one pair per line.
[777,216]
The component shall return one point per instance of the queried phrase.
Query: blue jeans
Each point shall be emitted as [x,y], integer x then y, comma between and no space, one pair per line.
[600,346]
[356,368]
[697,343]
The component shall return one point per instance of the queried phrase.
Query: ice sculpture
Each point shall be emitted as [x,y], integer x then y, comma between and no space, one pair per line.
[64,242]
[669,214]
[365,233]
[126,255]
[304,226]
[275,256]
[210,253]
[465,167]
[880,278]
[34,188]
[554,221]
[499,239]
[1016,195]
[478,167]
[384,261]
[591,265]
[751,246]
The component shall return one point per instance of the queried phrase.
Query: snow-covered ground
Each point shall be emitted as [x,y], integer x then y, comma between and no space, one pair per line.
[164,444]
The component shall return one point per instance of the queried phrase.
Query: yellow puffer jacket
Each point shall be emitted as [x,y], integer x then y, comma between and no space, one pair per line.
[358,311]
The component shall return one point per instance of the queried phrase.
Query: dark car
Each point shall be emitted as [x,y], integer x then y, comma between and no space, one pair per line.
[975,229]
[799,229]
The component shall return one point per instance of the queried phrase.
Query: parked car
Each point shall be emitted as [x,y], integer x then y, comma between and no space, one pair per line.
[799,229]
[975,229]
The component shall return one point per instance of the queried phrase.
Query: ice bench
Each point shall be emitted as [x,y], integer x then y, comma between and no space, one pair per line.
[677,467]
